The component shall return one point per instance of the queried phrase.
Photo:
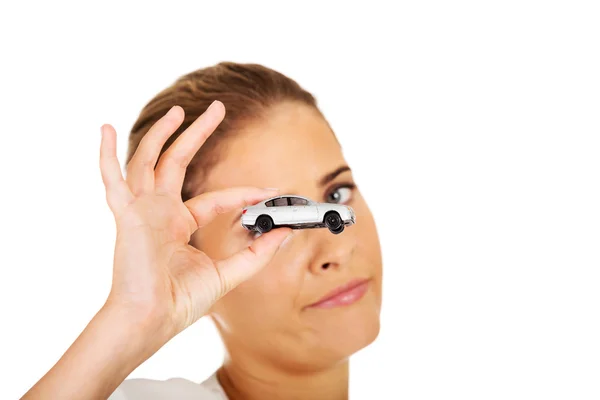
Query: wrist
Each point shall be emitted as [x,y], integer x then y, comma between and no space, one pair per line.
[142,330]
[113,344]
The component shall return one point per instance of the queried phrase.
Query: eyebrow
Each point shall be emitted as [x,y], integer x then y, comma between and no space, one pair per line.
[332,175]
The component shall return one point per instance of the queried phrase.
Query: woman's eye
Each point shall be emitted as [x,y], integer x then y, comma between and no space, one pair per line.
[341,195]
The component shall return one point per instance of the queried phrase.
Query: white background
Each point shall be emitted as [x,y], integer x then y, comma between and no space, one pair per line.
[473,128]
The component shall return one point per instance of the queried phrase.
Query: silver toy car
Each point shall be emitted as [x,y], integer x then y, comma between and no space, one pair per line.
[296,212]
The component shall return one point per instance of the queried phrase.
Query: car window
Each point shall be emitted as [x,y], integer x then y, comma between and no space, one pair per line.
[269,203]
[297,201]
[282,201]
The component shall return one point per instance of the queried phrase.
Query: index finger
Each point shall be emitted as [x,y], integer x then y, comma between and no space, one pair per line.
[207,206]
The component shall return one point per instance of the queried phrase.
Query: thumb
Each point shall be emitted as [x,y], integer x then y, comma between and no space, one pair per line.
[247,262]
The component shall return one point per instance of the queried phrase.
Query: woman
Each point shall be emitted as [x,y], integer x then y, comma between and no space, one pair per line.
[290,306]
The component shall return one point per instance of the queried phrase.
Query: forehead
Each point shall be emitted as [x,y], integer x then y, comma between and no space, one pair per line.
[291,147]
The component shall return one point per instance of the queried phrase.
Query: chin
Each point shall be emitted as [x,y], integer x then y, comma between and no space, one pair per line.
[358,337]
[344,331]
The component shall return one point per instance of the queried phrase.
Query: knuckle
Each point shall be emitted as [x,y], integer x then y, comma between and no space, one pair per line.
[251,252]
[218,209]
[226,286]
[247,256]
[179,160]
[197,220]
[147,163]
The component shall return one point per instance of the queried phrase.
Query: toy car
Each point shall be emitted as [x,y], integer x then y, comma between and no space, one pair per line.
[296,212]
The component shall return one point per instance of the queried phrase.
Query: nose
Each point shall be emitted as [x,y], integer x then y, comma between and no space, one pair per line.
[333,252]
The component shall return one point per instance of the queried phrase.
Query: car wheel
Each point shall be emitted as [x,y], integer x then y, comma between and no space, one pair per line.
[338,231]
[333,221]
[264,224]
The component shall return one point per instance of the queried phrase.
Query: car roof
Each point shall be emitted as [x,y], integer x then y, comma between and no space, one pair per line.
[288,195]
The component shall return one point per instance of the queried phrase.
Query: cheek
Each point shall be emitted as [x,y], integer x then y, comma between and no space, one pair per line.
[368,245]
[367,231]
[368,239]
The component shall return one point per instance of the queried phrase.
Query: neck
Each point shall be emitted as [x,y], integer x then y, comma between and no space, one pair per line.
[266,383]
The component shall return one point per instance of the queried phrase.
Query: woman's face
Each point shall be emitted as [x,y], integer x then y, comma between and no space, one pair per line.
[270,316]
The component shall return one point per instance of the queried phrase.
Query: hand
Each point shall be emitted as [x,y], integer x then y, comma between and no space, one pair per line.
[158,279]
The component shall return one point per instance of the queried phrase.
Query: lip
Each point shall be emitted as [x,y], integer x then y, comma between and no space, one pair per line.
[343,295]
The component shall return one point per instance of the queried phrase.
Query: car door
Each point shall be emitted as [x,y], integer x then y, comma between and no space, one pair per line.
[281,211]
[302,210]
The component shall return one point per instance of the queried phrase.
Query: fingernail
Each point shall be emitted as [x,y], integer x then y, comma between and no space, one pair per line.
[211,105]
[171,111]
[287,239]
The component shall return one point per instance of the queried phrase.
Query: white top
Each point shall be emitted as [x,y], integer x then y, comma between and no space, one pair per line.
[174,388]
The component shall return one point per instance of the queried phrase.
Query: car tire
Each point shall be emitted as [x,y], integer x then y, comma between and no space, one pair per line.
[338,231]
[333,221]
[264,224]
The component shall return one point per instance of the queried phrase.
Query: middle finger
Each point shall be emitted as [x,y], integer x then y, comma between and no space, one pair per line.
[140,170]
[171,167]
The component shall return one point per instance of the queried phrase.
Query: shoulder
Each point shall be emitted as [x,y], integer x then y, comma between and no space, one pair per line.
[173,388]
